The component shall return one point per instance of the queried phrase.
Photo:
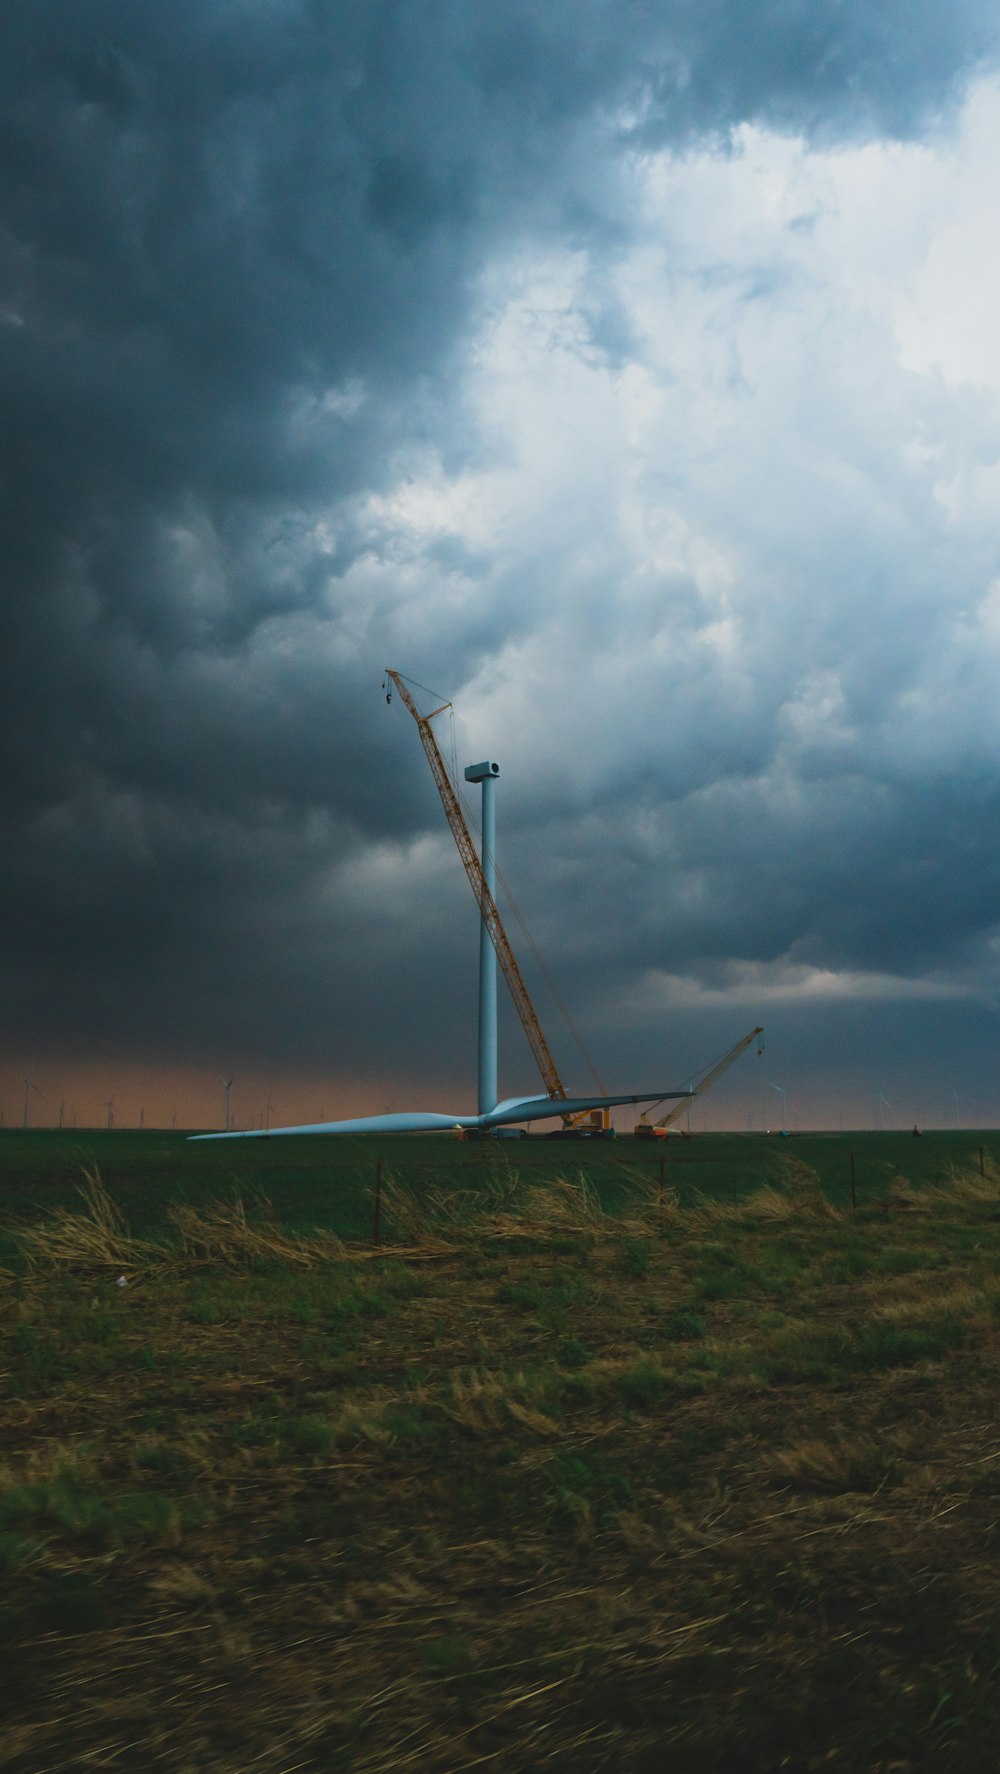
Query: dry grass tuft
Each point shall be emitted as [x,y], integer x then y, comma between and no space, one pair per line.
[556,1207]
[915,1301]
[220,1232]
[789,1204]
[484,1402]
[966,1186]
[98,1239]
[402,1213]
[44,1461]
[844,1463]
[970,1186]
[903,1197]
[181,1584]
[512,1211]
[800,1196]
[426,1226]
[95,1240]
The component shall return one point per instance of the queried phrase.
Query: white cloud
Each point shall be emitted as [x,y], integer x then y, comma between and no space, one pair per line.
[754,544]
[784,985]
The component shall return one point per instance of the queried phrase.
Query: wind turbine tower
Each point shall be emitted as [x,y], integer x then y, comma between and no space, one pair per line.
[227,1085]
[489,1089]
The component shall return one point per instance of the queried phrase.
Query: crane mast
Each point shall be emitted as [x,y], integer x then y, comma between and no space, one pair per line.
[678,1109]
[484,898]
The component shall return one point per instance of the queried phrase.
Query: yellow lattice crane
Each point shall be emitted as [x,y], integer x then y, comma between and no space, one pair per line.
[658,1129]
[484,898]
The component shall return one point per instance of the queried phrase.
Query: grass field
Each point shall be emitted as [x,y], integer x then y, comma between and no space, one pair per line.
[327,1182]
[567,1473]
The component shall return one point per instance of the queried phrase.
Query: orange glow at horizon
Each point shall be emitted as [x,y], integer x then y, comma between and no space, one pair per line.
[192,1098]
[76,1093]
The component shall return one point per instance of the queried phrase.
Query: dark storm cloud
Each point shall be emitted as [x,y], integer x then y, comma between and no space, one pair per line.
[241,250]
[865,876]
[814,67]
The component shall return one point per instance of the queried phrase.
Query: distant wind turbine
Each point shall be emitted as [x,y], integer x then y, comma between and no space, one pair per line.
[782,1092]
[109,1104]
[29,1086]
[269,1108]
[882,1102]
[227,1085]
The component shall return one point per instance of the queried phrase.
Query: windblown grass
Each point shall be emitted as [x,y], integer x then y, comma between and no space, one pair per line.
[530,1484]
[220,1232]
[94,1238]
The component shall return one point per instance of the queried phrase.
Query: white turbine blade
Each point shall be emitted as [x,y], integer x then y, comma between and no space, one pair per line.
[547,1108]
[528,1108]
[418,1122]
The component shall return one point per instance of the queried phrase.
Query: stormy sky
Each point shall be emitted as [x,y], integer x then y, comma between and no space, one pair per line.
[628,374]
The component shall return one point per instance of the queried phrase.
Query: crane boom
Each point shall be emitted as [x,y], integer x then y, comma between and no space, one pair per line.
[484,898]
[723,1065]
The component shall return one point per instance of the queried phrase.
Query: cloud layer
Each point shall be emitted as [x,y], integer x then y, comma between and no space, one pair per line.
[627,372]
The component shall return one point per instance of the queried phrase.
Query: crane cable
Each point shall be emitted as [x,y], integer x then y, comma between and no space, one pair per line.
[701,1071]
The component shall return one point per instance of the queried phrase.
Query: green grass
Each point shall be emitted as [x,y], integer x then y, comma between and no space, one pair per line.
[709,1486]
[327,1183]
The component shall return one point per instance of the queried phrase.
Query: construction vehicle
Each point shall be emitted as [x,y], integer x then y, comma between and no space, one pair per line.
[658,1130]
[596,1121]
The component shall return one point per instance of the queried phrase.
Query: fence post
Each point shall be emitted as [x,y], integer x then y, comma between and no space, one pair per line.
[377,1228]
[854,1188]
